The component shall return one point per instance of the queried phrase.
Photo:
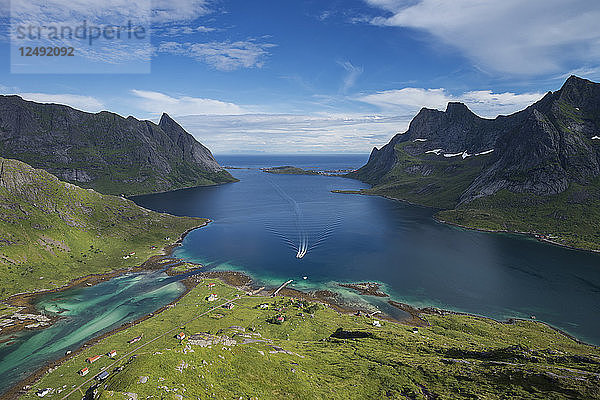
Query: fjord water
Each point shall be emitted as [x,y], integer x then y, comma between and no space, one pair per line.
[85,312]
[260,223]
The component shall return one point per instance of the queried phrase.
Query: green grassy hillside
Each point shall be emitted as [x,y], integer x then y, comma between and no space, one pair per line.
[52,232]
[240,353]
[432,181]
[571,218]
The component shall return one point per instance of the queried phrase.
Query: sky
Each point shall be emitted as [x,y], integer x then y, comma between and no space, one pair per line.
[314,76]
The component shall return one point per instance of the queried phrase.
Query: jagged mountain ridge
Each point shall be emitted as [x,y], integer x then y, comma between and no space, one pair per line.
[105,151]
[539,150]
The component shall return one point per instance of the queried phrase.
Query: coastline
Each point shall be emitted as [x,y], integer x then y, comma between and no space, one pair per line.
[528,234]
[418,316]
[239,279]
[25,301]
[472,228]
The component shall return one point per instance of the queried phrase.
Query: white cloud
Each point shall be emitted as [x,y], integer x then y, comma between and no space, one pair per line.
[178,10]
[352,74]
[483,102]
[224,56]
[85,103]
[156,103]
[282,133]
[489,104]
[160,11]
[515,36]
[147,15]
[394,100]
[179,30]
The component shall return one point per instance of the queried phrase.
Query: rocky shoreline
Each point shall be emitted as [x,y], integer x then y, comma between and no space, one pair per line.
[25,302]
[417,316]
[546,238]
[366,288]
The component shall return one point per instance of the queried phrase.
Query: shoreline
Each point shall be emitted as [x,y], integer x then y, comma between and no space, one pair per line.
[242,281]
[25,300]
[528,234]
[471,228]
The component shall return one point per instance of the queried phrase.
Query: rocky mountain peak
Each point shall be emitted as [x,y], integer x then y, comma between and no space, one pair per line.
[88,148]
[457,108]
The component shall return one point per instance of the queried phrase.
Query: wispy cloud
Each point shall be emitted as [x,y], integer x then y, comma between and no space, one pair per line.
[175,17]
[164,11]
[352,74]
[483,102]
[224,56]
[521,37]
[181,30]
[85,103]
[282,133]
[155,103]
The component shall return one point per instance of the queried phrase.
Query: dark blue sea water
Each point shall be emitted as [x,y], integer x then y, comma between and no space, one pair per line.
[261,222]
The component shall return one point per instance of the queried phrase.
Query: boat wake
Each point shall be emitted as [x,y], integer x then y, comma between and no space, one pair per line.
[303,233]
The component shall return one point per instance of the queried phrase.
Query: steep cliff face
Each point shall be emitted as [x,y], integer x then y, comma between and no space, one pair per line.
[537,170]
[539,150]
[556,144]
[105,151]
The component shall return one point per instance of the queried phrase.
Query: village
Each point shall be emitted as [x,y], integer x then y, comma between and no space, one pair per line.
[275,310]
[219,341]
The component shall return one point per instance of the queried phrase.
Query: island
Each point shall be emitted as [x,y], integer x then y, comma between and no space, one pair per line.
[289,170]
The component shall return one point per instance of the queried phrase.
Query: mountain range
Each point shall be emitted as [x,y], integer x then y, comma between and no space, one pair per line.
[105,151]
[536,170]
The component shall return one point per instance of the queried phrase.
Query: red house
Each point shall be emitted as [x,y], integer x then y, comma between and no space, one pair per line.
[94,358]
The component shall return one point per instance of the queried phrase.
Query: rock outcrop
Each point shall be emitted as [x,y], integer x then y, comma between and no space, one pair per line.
[105,151]
[539,150]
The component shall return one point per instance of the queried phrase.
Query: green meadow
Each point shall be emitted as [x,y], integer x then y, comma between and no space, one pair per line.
[318,353]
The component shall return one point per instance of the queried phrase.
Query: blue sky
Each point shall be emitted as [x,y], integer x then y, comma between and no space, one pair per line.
[312,76]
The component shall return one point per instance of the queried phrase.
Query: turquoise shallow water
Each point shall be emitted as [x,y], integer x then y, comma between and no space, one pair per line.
[85,312]
[262,221]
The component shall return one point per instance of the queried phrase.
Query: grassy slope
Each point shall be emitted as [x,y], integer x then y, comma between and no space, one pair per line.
[445,179]
[52,232]
[289,170]
[571,218]
[456,357]
[184,175]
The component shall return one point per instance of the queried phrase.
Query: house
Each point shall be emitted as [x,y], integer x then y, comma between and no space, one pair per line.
[377,324]
[42,392]
[135,339]
[102,375]
[211,284]
[228,306]
[152,247]
[263,306]
[180,336]
[112,353]
[132,253]
[83,371]
[280,318]
[415,330]
[212,297]
[94,358]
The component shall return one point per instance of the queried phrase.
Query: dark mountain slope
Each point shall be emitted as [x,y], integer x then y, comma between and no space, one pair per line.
[546,157]
[105,151]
